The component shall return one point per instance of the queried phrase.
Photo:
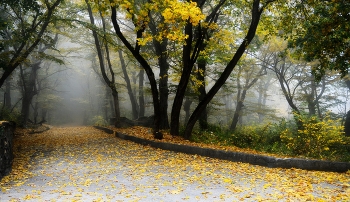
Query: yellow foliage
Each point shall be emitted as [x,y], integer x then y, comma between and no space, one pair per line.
[176,14]
[178,11]
[316,137]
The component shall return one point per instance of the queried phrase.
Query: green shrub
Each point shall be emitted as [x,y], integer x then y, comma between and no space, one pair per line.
[262,137]
[316,138]
[213,135]
[8,115]
[246,136]
[321,139]
[99,121]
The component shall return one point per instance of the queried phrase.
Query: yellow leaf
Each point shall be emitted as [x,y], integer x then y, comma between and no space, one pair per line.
[227,180]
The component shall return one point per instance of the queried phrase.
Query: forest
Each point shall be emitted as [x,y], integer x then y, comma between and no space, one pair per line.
[270,75]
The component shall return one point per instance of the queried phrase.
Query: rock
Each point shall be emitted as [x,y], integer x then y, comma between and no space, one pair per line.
[7,130]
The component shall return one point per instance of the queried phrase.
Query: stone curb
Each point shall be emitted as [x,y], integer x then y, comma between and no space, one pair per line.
[255,159]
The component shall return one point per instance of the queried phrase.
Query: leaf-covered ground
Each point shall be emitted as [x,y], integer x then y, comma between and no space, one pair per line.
[85,164]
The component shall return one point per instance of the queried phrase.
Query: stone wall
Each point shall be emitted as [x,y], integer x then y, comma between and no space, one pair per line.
[7,130]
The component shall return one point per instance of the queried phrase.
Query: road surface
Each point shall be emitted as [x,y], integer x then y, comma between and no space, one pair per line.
[85,164]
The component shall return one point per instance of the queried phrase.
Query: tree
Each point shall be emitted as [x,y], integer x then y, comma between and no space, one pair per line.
[29,80]
[249,75]
[256,12]
[299,87]
[23,27]
[182,23]
[141,94]
[263,86]
[325,36]
[101,57]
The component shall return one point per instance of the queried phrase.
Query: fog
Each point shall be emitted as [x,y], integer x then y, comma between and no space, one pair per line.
[78,96]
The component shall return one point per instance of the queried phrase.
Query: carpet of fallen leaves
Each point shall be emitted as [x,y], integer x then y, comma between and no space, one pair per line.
[85,164]
[146,133]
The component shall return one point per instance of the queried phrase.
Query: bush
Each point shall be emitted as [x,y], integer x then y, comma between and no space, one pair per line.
[262,137]
[321,139]
[99,121]
[213,135]
[316,138]
[8,115]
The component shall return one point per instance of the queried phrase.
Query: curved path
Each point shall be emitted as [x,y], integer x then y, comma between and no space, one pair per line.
[85,164]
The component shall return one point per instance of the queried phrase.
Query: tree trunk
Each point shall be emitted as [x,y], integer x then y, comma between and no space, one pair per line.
[133,101]
[228,104]
[347,119]
[43,115]
[260,103]
[238,111]
[163,84]
[163,97]
[203,119]
[105,104]
[162,55]
[25,110]
[187,107]
[311,105]
[35,112]
[141,94]
[347,124]
[256,13]
[242,92]
[310,99]
[135,52]
[181,88]
[98,46]
[7,95]
[116,107]
[29,91]
[262,99]
[286,94]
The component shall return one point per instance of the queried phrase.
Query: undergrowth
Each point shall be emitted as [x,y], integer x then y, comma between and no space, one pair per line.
[98,121]
[10,115]
[314,138]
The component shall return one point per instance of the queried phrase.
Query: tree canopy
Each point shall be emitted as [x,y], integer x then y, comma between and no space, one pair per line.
[23,25]
[325,36]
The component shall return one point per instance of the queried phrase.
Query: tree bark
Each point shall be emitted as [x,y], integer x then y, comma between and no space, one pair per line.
[147,68]
[162,55]
[347,124]
[35,112]
[285,88]
[105,103]
[181,88]
[133,101]
[7,95]
[110,83]
[161,51]
[262,99]
[256,13]
[203,119]
[238,111]
[187,107]
[141,94]
[29,90]
[163,93]
[116,106]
